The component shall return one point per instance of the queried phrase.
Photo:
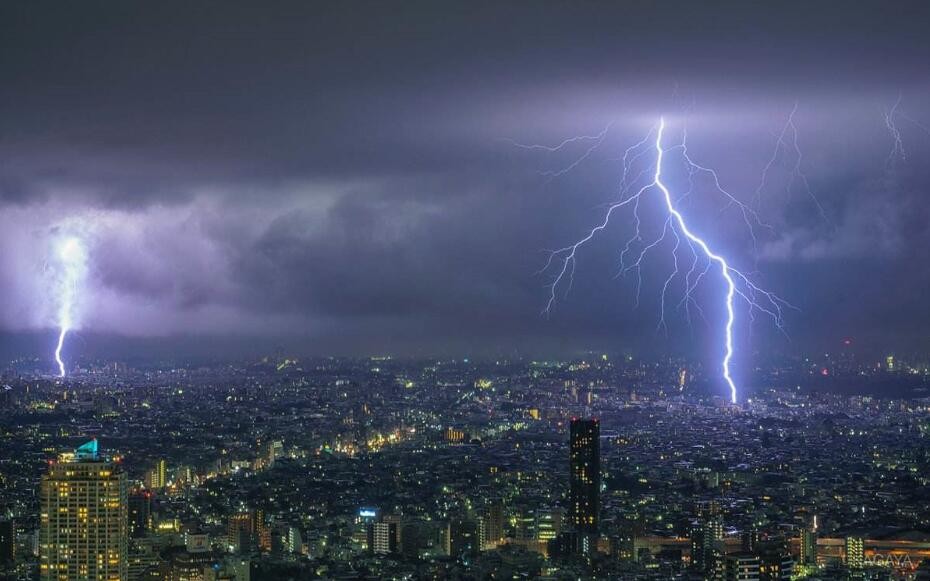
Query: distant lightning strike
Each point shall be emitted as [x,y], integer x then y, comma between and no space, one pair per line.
[70,262]
[65,327]
[597,141]
[703,258]
[787,142]
[891,124]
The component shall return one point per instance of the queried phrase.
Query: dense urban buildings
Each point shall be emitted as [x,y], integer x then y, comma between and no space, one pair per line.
[347,468]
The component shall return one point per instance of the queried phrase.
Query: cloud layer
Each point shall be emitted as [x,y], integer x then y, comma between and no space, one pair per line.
[342,177]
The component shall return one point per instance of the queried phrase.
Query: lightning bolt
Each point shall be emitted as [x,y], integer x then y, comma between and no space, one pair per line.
[71,265]
[891,123]
[787,144]
[65,327]
[703,258]
[597,140]
[725,269]
[897,142]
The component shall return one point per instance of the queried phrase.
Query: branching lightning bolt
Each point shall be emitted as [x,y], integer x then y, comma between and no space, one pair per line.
[596,139]
[71,263]
[703,258]
[891,124]
[787,141]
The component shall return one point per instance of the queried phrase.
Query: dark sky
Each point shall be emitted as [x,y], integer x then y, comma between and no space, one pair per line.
[341,177]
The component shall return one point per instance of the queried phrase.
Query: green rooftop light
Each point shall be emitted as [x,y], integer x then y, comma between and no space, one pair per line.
[87,451]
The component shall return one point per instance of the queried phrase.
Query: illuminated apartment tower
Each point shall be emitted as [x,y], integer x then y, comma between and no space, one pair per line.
[239,532]
[808,547]
[707,537]
[157,477]
[585,477]
[855,556]
[83,524]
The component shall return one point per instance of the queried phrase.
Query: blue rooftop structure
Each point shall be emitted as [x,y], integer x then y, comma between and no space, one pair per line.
[87,451]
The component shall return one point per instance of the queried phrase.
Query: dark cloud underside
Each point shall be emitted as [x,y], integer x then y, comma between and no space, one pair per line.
[338,175]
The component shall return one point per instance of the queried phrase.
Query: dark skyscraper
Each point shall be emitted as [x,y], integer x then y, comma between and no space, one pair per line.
[464,541]
[7,541]
[140,513]
[585,478]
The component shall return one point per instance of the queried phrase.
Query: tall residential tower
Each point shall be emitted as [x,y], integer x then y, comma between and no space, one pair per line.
[585,477]
[84,529]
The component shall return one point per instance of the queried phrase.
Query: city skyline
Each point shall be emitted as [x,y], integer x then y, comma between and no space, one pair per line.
[283,469]
[463,290]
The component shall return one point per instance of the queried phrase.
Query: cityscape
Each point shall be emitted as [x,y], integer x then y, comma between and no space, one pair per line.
[464,290]
[602,467]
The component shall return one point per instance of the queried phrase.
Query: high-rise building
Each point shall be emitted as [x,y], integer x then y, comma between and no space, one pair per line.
[273,451]
[524,526]
[742,567]
[7,542]
[855,555]
[140,513]
[412,539]
[84,531]
[706,536]
[549,523]
[749,539]
[463,538]
[382,537]
[445,538]
[157,477]
[808,547]
[585,476]
[491,525]
[294,542]
[261,531]
[239,532]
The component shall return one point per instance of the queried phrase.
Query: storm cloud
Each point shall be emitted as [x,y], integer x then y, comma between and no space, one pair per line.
[342,177]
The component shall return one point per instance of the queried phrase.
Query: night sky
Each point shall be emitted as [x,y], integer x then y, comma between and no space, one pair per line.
[343,178]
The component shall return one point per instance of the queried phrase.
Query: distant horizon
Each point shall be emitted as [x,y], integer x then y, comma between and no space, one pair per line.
[88,346]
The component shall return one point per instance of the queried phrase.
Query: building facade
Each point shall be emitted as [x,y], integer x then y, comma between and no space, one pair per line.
[83,532]
[585,476]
